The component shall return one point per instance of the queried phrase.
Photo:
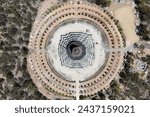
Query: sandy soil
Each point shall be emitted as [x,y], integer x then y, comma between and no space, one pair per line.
[125,14]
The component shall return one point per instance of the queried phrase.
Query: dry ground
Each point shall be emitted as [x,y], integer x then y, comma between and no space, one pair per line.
[125,14]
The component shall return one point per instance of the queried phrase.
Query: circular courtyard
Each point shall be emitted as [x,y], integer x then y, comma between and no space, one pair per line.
[68,55]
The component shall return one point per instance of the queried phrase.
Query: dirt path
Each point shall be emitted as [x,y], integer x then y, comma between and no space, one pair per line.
[77,89]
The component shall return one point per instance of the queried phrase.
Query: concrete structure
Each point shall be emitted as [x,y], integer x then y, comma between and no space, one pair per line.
[68,62]
[141,65]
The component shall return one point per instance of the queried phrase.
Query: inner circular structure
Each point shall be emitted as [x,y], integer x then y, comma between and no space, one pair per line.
[75,48]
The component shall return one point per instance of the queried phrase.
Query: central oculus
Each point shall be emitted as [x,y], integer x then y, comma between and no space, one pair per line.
[76,50]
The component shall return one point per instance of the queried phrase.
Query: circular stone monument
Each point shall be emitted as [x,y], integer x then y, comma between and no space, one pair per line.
[69,50]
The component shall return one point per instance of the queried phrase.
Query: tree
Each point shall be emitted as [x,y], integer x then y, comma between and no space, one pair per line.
[65,0]
[9,75]
[144,14]
[103,3]
[101,95]
[24,50]
[1,44]
[82,97]
[7,58]
[12,31]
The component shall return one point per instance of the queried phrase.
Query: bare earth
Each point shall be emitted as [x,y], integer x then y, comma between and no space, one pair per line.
[125,14]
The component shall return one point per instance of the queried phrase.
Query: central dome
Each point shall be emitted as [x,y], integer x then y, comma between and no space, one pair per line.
[76,50]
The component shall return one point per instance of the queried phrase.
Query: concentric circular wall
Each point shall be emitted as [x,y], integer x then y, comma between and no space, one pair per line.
[68,46]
